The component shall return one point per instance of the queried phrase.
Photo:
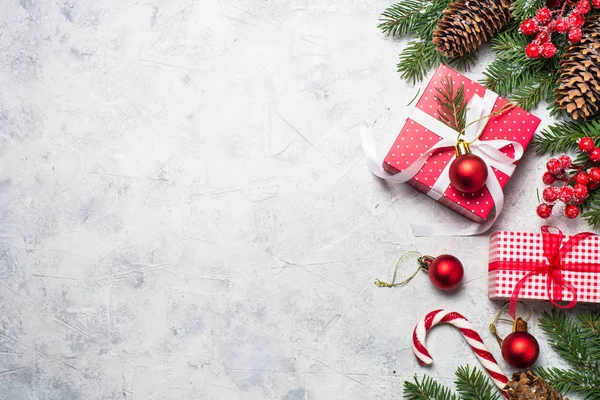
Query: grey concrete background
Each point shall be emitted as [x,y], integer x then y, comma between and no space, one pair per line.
[186,214]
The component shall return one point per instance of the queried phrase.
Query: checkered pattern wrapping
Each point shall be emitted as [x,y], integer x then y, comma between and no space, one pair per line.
[514,254]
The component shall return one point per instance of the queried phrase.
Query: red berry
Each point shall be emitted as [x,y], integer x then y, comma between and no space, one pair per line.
[580,192]
[550,194]
[529,27]
[596,3]
[594,174]
[565,194]
[586,144]
[548,50]
[543,15]
[576,20]
[565,161]
[574,35]
[571,211]
[562,25]
[582,178]
[583,6]
[595,154]
[532,50]
[544,210]
[554,166]
[548,178]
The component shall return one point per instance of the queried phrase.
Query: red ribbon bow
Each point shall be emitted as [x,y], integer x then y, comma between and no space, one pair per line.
[553,268]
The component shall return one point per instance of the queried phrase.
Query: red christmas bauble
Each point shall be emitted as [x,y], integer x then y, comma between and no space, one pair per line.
[446,272]
[520,350]
[468,173]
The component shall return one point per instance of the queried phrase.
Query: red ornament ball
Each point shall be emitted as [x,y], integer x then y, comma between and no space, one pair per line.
[595,154]
[446,272]
[594,174]
[520,350]
[565,161]
[533,50]
[468,173]
[529,27]
[548,178]
[596,3]
[548,50]
[586,144]
[582,178]
[544,210]
[574,35]
[550,194]
[571,211]
[583,6]
[576,20]
[543,15]
[554,166]
[562,25]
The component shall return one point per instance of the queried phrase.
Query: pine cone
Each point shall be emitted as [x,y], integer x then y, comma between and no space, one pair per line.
[526,386]
[578,92]
[466,24]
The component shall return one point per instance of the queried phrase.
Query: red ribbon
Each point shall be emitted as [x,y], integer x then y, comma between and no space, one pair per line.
[553,268]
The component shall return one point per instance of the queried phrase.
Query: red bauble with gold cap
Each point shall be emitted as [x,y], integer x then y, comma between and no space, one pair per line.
[445,272]
[468,172]
[520,349]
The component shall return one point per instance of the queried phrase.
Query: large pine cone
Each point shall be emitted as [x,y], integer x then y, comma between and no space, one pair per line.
[526,386]
[466,24]
[578,92]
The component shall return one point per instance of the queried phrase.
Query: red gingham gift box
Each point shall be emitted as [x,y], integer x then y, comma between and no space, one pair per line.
[414,139]
[571,266]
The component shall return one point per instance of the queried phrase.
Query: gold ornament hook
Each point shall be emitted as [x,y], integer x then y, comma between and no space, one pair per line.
[423,261]
[519,324]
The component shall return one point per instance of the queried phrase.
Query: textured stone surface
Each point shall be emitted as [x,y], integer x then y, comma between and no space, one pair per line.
[185,212]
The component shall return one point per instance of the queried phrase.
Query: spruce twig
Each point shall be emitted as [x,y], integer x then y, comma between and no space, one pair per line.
[452,105]
[417,59]
[562,136]
[427,389]
[472,384]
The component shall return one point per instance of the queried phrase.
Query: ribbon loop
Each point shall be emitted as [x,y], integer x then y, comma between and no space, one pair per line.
[554,252]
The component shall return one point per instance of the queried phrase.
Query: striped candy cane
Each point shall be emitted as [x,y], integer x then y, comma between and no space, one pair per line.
[486,359]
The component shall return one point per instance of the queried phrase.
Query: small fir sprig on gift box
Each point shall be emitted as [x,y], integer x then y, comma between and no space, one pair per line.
[573,182]
[576,341]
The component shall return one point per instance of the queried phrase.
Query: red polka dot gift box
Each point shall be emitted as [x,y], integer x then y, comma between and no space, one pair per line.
[507,130]
[547,265]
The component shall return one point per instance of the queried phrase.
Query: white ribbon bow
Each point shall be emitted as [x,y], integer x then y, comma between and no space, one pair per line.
[477,116]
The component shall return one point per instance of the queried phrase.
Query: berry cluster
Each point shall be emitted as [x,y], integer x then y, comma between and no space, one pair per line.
[547,21]
[578,182]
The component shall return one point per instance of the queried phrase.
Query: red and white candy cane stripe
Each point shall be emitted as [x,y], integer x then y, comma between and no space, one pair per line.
[486,359]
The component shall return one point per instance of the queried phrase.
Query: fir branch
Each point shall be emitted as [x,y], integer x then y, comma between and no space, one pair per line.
[427,389]
[417,59]
[474,385]
[584,382]
[590,328]
[562,136]
[464,62]
[565,338]
[523,9]
[452,105]
[401,18]
[592,215]
[533,91]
